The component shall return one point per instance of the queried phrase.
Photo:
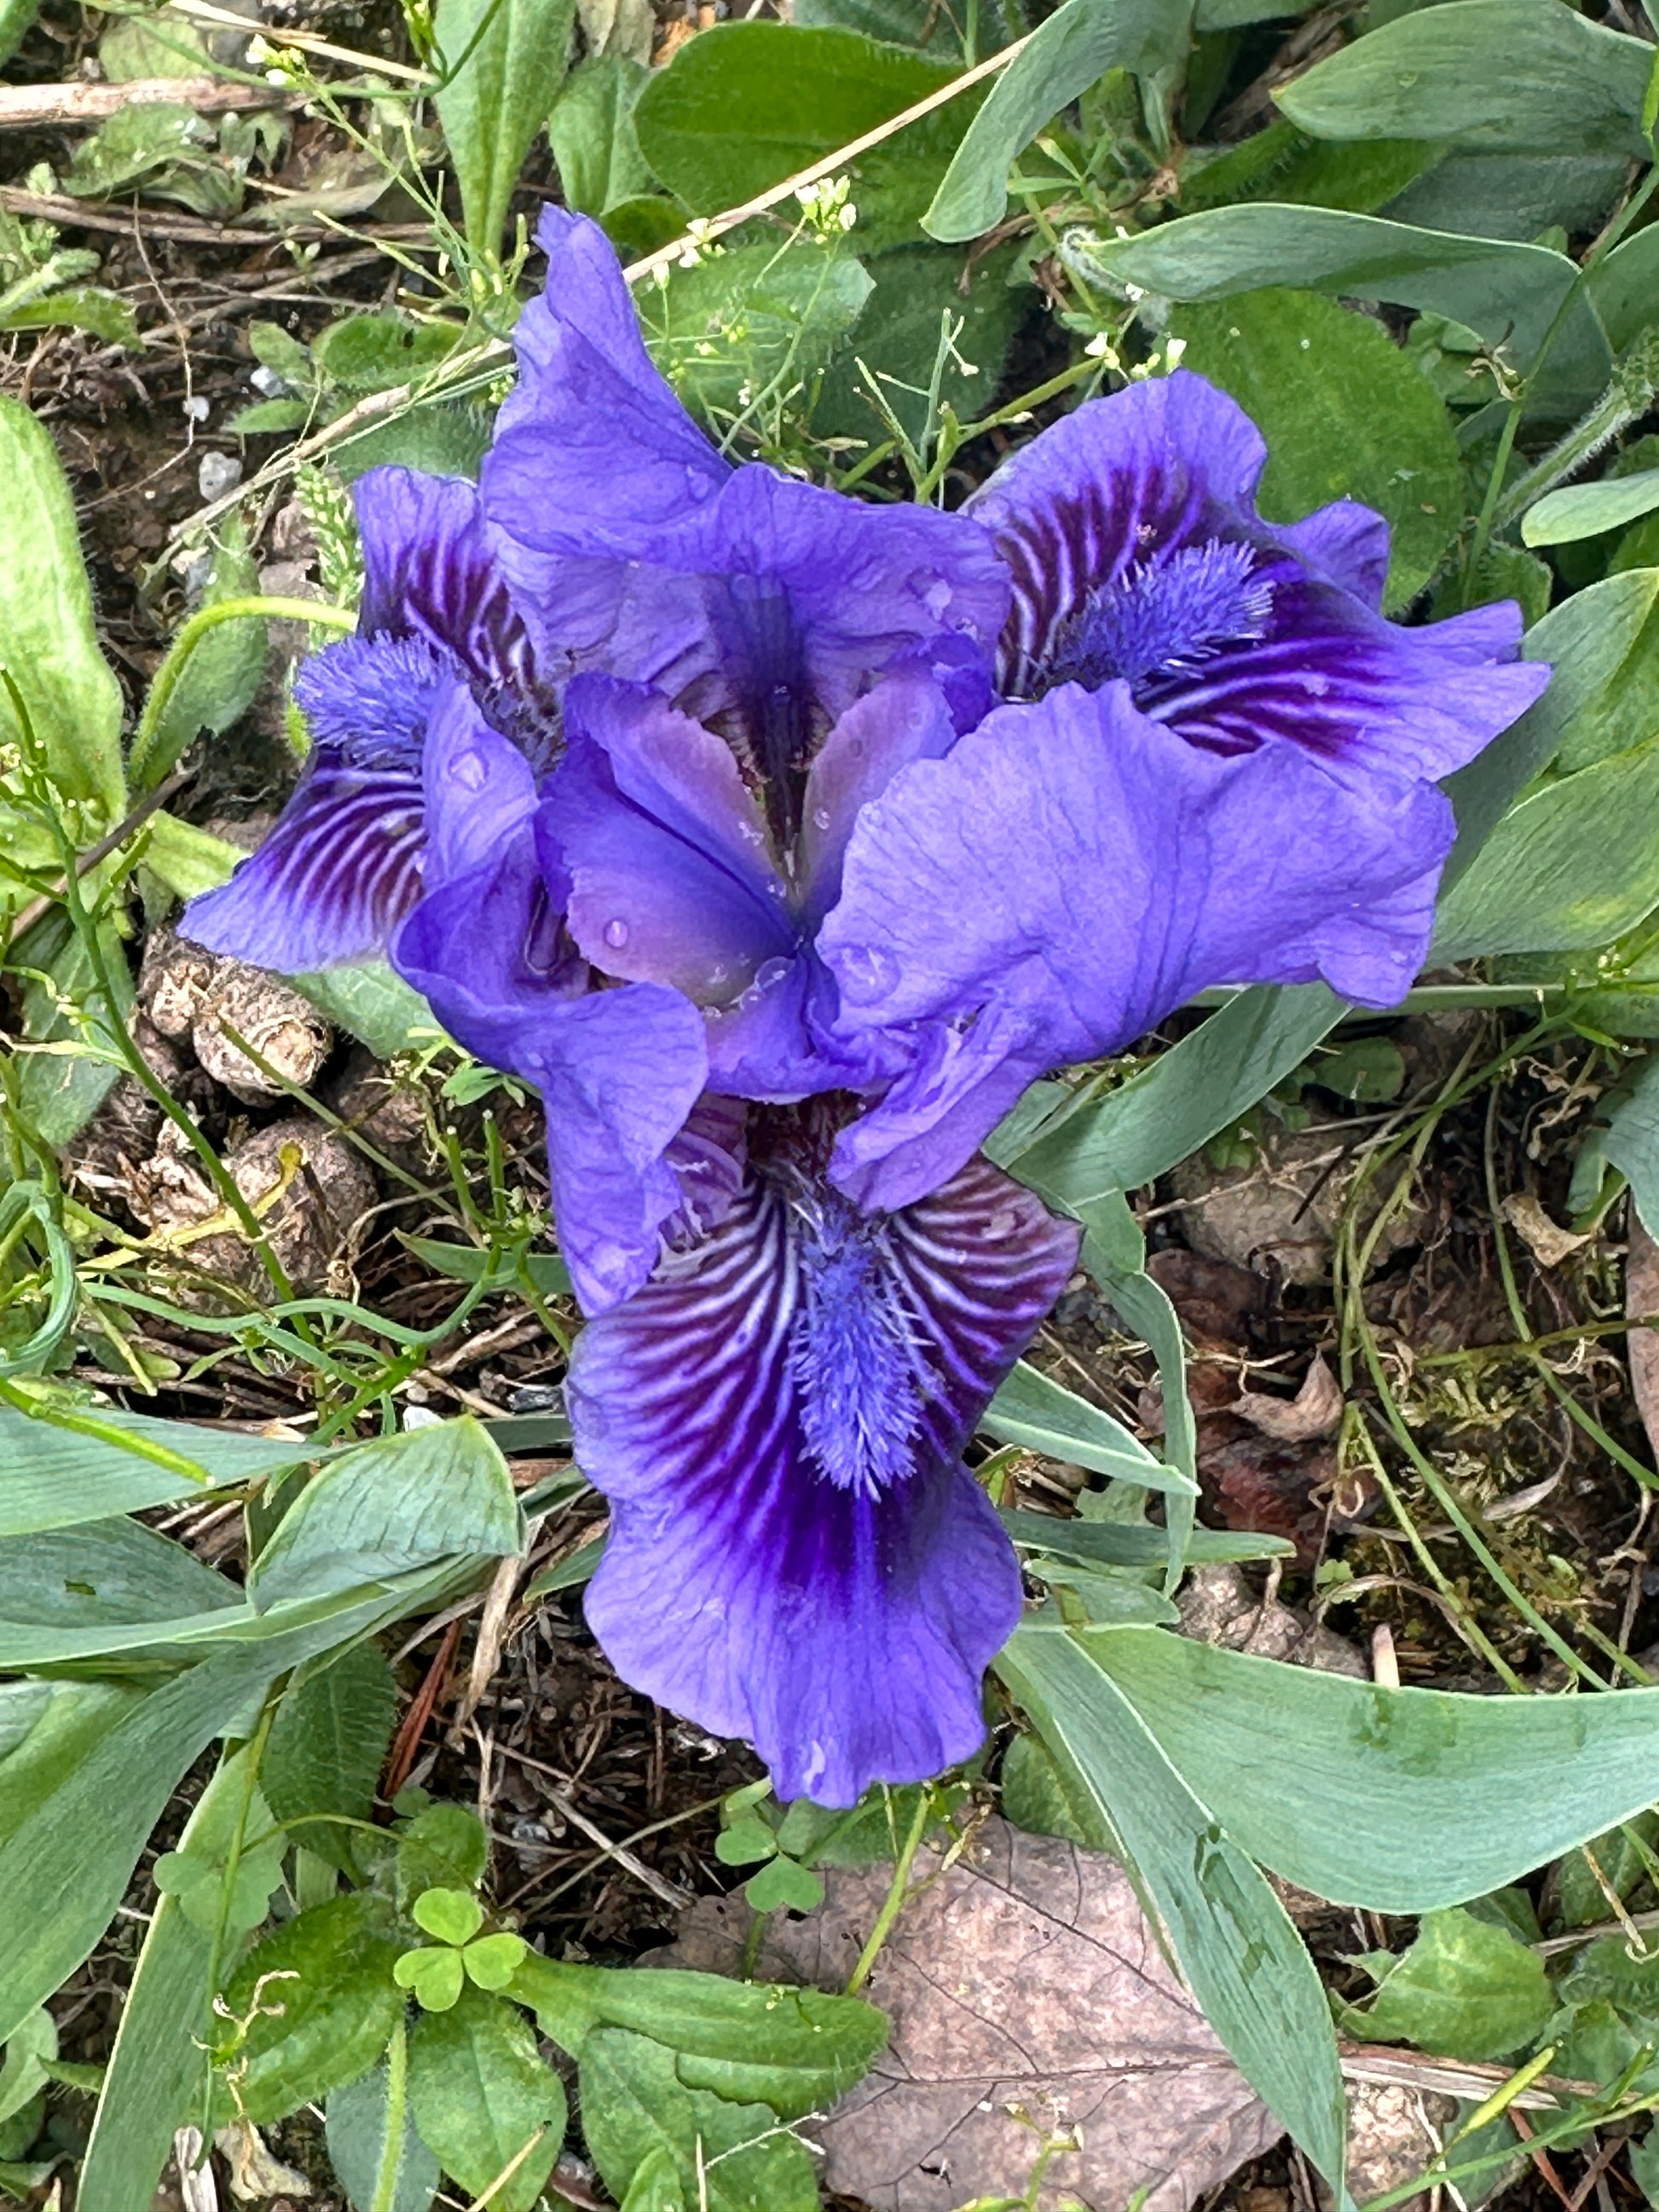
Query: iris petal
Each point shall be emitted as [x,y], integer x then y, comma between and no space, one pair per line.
[342,867]
[736,591]
[618,1071]
[1115,871]
[671,882]
[841,1627]
[432,570]
[1096,517]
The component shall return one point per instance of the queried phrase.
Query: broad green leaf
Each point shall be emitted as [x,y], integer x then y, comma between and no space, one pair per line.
[1137,1133]
[1282,163]
[220,671]
[371,1003]
[389,1506]
[158,2069]
[110,1462]
[593,135]
[1042,1797]
[444,1847]
[746,105]
[480,2091]
[372,353]
[1034,1410]
[1345,415]
[1581,1901]
[1504,76]
[46,1729]
[188,860]
[24,2075]
[1596,643]
[1511,293]
[1467,1988]
[16,17]
[796,2048]
[740,331]
[1632,1144]
[1625,286]
[1378,1794]
[1242,1958]
[357,2120]
[326,1748]
[898,335]
[936,32]
[509,59]
[1586,510]
[339,2006]
[112,1572]
[729,2157]
[1574,863]
[1514,195]
[77,307]
[1077,44]
[69,1849]
[48,634]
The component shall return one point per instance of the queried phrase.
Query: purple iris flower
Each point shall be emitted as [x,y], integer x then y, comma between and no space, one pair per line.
[1220,766]
[680,789]
[822,642]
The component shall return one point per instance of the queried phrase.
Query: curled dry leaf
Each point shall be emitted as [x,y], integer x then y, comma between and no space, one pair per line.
[1642,1301]
[256,2174]
[1314,1412]
[1022,1977]
[1284,1209]
[1548,1242]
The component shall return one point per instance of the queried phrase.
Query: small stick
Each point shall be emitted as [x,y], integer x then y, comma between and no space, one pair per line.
[669,1891]
[37,909]
[65,106]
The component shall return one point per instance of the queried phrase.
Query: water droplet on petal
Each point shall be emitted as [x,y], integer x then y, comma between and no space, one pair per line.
[615,934]
[866,974]
[820,817]
[770,973]
[468,770]
[750,832]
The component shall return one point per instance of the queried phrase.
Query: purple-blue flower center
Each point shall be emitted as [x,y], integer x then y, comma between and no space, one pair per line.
[854,1354]
[1164,616]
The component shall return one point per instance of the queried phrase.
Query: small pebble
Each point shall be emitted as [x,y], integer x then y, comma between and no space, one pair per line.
[198,407]
[218,473]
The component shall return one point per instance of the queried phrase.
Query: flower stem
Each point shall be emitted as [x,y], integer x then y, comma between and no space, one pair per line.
[893,1903]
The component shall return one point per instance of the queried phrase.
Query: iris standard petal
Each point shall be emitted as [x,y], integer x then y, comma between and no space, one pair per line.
[796,1554]
[592,452]
[1073,871]
[342,867]
[1137,553]
[478,788]
[670,879]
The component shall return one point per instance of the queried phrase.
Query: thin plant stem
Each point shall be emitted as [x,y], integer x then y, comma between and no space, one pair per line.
[894,1902]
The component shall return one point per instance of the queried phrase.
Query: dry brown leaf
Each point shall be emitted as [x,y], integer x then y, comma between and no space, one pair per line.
[1025,1976]
[256,2174]
[1548,1242]
[1314,1412]
[1642,1299]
